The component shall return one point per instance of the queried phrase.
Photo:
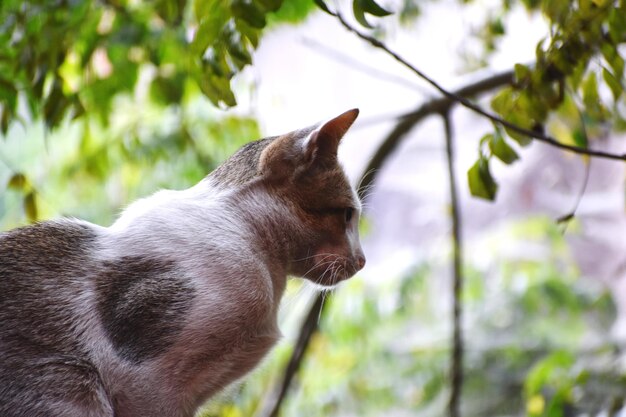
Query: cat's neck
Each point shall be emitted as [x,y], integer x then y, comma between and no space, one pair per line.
[241,220]
[269,220]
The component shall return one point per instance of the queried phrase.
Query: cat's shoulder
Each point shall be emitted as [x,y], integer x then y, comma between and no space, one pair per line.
[54,238]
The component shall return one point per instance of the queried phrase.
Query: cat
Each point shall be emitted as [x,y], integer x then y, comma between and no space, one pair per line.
[179,296]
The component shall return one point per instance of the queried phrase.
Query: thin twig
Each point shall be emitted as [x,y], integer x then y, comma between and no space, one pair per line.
[567,218]
[456,359]
[352,63]
[468,104]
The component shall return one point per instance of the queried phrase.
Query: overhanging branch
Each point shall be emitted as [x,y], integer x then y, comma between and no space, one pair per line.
[409,120]
[456,358]
[465,102]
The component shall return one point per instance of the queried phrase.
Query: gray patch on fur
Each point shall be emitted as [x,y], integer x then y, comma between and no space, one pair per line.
[51,385]
[39,266]
[43,365]
[243,166]
[142,303]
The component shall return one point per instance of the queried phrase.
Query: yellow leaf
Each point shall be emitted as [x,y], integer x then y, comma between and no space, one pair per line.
[535,405]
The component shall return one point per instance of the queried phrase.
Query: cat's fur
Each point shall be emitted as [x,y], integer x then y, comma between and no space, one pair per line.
[178,298]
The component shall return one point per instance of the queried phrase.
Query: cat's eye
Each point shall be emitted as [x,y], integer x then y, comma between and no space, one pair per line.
[348,213]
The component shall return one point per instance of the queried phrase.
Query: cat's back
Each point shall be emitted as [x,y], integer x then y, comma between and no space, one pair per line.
[45,287]
[44,249]
[42,274]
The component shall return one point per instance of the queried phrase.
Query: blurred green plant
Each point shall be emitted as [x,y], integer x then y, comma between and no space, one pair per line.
[117,86]
[90,170]
[71,57]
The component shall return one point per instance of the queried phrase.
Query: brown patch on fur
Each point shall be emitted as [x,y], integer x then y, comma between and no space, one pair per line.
[142,303]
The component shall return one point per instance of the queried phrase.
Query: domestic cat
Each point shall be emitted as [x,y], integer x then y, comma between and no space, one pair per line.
[179,297]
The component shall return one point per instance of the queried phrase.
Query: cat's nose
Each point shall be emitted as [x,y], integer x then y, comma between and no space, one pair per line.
[360,261]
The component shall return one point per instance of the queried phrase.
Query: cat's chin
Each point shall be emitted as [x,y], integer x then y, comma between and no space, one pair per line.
[330,278]
[325,286]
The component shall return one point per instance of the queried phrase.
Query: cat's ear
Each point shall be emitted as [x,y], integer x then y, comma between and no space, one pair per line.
[288,154]
[321,145]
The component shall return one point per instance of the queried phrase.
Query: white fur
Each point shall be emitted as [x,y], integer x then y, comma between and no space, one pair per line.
[206,236]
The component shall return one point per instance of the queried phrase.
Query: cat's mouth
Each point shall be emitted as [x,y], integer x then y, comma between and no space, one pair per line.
[330,270]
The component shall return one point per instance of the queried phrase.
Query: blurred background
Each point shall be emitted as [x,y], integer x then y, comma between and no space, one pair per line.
[104,102]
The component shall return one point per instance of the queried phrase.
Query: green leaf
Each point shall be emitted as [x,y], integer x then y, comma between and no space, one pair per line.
[580,138]
[481,183]
[613,58]
[4,122]
[360,7]
[170,11]
[501,149]
[514,106]
[547,370]
[17,182]
[522,74]
[496,27]
[591,98]
[201,8]
[8,94]
[523,140]
[590,90]
[371,7]
[210,27]
[556,10]
[270,5]
[614,84]
[293,11]
[617,24]
[55,106]
[217,89]
[248,32]
[30,207]
[502,102]
[216,63]
[249,12]
[322,5]
[239,53]
[359,14]
[167,90]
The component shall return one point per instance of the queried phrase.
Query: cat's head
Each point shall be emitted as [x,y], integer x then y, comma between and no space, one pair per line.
[302,169]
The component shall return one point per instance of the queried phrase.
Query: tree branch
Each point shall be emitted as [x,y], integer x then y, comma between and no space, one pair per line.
[409,120]
[456,359]
[468,104]
[309,326]
[352,63]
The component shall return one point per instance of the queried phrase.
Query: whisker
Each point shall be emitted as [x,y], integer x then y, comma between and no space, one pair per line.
[312,256]
[365,175]
[319,264]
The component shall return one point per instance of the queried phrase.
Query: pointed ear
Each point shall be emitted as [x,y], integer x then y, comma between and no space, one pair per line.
[278,160]
[322,144]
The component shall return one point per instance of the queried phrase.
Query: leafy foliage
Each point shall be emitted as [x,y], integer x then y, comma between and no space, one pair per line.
[71,57]
[74,57]
[580,58]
